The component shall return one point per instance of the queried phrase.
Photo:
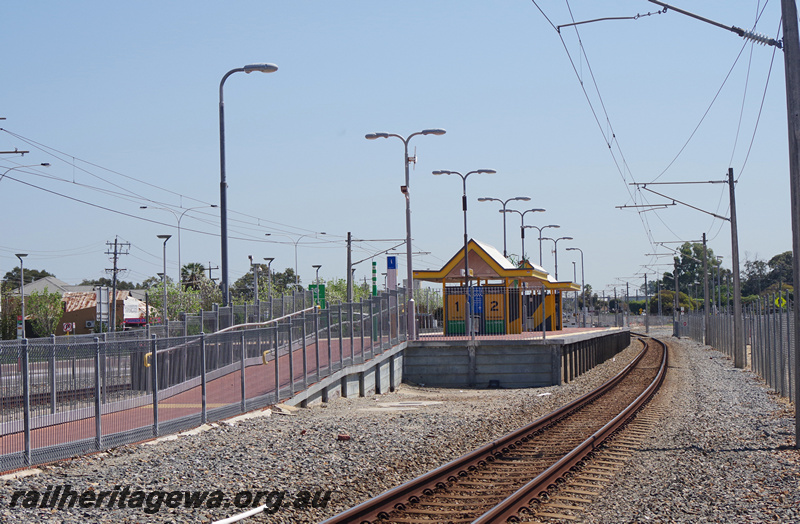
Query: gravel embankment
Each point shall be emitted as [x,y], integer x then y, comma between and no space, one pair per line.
[723,453]
[723,421]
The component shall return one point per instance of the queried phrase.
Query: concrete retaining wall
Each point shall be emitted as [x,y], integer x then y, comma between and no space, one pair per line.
[468,364]
[510,363]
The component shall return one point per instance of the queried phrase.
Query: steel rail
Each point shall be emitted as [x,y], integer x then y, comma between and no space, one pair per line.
[397,498]
[508,510]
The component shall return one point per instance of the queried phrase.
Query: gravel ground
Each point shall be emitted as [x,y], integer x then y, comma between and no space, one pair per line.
[725,436]
[724,452]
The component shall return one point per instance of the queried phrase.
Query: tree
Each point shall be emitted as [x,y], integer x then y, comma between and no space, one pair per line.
[754,279]
[281,282]
[780,267]
[178,301]
[10,311]
[192,274]
[31,275]
[46,310]
[152,282]
[336,289]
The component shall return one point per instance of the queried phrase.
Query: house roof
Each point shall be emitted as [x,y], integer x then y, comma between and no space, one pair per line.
[52,284]
[75,301]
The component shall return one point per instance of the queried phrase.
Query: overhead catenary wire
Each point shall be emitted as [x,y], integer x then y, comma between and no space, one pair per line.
[610,136]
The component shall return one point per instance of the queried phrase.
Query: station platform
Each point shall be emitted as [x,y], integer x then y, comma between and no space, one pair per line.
[510,361]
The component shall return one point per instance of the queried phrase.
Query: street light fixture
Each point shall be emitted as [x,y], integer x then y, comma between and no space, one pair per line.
[467,280]
[411,309]
[43,164]
[583,292]
[163,277]
[20,256]
[295,242]
[522,225]
[555,249]
[540,229]
[504,202]
[178,218]
[223,185]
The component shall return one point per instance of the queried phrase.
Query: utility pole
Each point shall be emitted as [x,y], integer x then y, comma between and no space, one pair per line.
[118,247]
[739,357]
[791,56]
[209,268]
[646,306]
[675,310]
[349,267]
[706,304]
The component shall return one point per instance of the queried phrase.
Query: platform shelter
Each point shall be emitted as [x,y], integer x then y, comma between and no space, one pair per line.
[506,299]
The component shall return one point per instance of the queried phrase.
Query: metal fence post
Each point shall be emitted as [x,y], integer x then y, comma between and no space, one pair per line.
[103,378]
[361,321]
[52,371]
[789,349]
[154,367]
[203,379]
[316,342]
[291,360]
[242,367]
[328,331]
[305,349]
[341,339]
[352,335]
[98,415]
[26,400]
[276,340]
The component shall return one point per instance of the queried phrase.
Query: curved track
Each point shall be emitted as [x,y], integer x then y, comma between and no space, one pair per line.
[498,480]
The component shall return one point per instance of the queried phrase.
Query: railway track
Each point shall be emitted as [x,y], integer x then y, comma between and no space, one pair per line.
[498,481]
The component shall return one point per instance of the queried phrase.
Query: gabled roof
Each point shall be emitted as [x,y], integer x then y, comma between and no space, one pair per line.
[52,284]
[487,263]
[75,301]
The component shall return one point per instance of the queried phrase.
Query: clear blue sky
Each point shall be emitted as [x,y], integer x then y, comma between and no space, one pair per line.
[122,100]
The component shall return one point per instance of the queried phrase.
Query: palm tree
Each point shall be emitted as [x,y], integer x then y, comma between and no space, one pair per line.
[192,274]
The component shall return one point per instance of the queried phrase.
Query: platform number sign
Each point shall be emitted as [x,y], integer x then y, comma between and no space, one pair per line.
[494,306]
[456,304]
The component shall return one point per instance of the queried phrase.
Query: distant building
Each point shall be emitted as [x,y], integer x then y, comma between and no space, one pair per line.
[80,305]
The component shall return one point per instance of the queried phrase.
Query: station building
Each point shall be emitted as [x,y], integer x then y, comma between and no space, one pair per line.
[502,298]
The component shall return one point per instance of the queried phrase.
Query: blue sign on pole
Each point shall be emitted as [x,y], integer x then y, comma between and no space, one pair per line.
[477,301]
[391,262]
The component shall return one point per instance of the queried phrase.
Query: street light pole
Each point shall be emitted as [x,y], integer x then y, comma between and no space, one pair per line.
[269,280]
[254,267]
[583,288]
[555,249]
[504,202]
[163,278]
[316,282]
[467,280]
[411,309]
[223,185]
[178,218]
[540,229]
[522,225]
[20,256]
